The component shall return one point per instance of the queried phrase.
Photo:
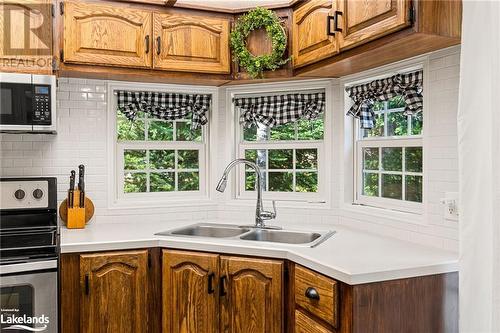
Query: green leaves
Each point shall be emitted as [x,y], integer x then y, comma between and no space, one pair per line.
[256,19]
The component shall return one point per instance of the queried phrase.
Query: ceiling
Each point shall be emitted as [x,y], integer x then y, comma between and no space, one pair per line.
[233,6]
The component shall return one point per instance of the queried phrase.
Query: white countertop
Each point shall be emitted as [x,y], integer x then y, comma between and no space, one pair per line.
[351,256]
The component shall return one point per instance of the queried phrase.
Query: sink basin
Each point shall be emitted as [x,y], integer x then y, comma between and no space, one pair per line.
[281,236]
[207,230]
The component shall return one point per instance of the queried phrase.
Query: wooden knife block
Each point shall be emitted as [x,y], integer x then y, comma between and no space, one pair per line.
[76,215]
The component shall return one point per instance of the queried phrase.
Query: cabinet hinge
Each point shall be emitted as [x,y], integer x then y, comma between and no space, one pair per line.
[61,56]
[61,8]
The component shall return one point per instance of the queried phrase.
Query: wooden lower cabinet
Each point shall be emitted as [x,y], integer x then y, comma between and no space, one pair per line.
[190,292]
[305,324]
[251,295]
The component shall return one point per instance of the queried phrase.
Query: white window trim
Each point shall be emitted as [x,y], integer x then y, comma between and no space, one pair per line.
[116,198]
[348,203]
[320,199]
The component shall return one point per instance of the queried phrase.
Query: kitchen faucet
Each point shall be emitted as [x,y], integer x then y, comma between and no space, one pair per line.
[260,214]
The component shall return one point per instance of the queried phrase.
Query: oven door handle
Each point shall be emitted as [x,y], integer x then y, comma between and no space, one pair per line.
[28,267]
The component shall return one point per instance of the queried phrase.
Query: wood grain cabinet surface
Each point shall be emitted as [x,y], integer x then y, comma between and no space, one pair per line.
[114,292]
[252,295]
[305,324]
[190,294]
[311,41]
[362,21]
[107,35]
[191,43]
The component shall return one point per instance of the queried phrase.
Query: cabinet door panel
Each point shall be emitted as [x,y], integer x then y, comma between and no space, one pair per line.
[310,39]
[191,43]
[115,290]
[363,21]
[253,302]
[107,35]
[188,304]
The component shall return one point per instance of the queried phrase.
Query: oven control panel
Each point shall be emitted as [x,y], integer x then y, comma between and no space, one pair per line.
[42,104]
[24,194]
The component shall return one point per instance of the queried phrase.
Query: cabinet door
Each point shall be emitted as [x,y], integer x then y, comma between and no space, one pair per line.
[366,20]
[190,294]
[115,289]
[191,43]
[107,35]
[251,298]
[310,39]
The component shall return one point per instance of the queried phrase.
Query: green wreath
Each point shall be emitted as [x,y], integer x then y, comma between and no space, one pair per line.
[256,19]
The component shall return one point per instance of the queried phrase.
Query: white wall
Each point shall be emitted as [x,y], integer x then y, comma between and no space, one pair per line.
[82,135]
[81,139]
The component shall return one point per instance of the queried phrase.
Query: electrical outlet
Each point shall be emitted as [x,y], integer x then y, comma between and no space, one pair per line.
[451,204]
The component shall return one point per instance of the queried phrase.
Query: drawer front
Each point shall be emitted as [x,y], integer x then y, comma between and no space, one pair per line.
[305,324]
[316,294]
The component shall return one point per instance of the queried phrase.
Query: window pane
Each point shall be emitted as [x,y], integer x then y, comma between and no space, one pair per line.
[310,129]
[392,186]
[250,177]
[396,102]
[257,156]
[281,181]
[306,159]
[413,188]
[281,159]
[161,131]
[184,132]
[129,130]
[188,181]
[250,134]
[306,182]
[135,159]
[187,159]
[283,132]
[392,159]
[397,124]
[370,184]
[262,132]
[417,121]
[370,158]
[162,182]
[378,128]
[135,182]
[413,159]
[378,106]
[162,159]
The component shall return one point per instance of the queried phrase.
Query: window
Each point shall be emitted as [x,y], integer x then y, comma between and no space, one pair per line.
[159,156]
[290,156]
[389,158]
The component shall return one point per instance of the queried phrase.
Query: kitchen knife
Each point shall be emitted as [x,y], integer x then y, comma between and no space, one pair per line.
[81,183]
[71,196]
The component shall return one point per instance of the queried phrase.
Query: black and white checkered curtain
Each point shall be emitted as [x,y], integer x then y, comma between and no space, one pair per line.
[277,110]
[168,106]
[364,96]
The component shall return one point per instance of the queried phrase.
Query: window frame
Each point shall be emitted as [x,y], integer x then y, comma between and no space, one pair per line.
[382,142]
[117,198]
[322,196]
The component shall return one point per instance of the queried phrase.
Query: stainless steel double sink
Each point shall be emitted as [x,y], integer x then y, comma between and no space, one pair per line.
[248,233]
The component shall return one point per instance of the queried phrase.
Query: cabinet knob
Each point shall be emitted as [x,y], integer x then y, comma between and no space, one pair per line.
[312,293]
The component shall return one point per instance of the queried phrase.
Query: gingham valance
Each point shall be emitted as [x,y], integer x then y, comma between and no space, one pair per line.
[167,106]
[276,110]
[408,85]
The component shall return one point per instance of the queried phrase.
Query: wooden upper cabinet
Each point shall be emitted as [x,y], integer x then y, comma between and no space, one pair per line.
[191,43]
[310,38]
[190,293]
[107,35]
[114,290]
[362,21]
[251,295]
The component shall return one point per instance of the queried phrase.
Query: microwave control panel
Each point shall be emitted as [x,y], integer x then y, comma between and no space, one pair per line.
[42,104]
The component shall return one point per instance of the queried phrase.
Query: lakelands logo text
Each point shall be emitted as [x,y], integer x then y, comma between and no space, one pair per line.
[22,322]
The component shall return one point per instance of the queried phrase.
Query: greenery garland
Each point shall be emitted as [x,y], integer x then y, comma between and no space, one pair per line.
[256,19]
